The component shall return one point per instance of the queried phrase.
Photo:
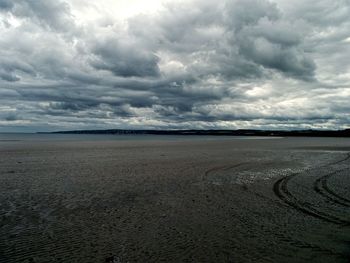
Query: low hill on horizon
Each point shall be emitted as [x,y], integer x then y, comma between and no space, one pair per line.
[239,132]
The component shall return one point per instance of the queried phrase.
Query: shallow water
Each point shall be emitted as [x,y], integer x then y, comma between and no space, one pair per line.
[121,137]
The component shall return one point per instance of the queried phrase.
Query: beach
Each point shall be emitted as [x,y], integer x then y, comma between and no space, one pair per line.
[175,200]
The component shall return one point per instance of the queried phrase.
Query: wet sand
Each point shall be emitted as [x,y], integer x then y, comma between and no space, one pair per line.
[281,200]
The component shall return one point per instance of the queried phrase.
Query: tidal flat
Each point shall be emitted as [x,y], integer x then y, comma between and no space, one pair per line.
[79,199]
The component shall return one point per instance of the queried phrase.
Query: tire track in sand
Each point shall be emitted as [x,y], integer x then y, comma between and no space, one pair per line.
[321,187]
[281,190]
[285,237]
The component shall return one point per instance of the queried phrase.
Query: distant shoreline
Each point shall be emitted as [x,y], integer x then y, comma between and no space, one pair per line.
[241,132]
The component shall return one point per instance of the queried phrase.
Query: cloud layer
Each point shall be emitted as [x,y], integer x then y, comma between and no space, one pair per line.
[189,64]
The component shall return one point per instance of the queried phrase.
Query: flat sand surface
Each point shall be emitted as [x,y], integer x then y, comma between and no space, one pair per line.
[257,200]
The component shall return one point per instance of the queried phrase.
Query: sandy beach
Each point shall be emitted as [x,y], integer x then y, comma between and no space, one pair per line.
[232,200]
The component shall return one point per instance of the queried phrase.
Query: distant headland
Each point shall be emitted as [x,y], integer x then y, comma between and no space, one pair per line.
[239,132]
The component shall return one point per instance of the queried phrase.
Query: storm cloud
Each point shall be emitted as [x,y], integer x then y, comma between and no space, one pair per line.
[72,64]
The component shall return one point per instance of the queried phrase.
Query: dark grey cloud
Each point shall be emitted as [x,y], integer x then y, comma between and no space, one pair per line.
[11,66]
[6,4]
[322,13]
[51,14]
[194,64]
[124,59]
[264,37]
[240,14]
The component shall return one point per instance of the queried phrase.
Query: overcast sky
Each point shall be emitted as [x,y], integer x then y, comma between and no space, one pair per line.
[208,64]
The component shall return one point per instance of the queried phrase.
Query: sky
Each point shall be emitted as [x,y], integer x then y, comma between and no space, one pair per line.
[195,64]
